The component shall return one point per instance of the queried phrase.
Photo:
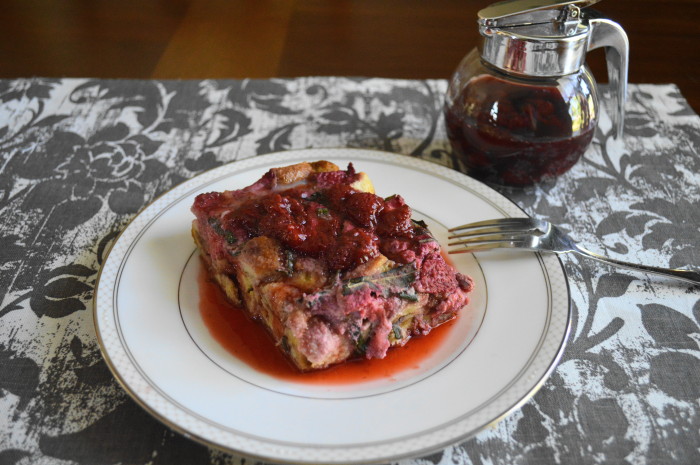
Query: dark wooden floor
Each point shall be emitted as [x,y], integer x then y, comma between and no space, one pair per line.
[287,38]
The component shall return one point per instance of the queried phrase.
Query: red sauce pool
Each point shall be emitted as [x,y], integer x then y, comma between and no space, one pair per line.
[249,341]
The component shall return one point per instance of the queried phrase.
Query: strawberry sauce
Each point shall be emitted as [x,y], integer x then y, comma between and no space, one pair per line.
[327,219]
[248,340]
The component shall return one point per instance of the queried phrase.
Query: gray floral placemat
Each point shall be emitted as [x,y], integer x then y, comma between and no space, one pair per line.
[79,158]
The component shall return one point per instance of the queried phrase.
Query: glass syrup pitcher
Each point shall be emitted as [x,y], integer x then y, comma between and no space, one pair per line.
[524,107]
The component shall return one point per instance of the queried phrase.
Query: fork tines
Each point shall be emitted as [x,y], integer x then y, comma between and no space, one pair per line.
[490,234]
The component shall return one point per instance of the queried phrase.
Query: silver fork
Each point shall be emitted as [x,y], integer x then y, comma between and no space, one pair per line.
[541,236]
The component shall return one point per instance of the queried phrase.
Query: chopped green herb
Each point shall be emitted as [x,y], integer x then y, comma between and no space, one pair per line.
[406,296]
[230,238]
[362,341]
[319,197]
[313,300]
[355,332]
[289,265]
[285,344]
[216,226]
[399,277]
[397,331]
[324,213]
[391,197]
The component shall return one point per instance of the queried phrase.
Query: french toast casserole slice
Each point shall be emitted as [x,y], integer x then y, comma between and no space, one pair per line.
[333,271]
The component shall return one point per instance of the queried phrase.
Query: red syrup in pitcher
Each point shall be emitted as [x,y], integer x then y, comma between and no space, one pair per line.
[514,133]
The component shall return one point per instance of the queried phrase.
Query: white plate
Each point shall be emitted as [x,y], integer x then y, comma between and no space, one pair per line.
[494,358]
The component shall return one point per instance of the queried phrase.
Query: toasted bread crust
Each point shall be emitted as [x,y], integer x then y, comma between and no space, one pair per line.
[301,171]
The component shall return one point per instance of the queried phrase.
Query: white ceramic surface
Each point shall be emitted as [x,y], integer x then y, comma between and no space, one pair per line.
[495,357]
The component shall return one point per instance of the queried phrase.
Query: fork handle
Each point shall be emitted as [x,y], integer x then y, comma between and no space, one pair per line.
[684,275]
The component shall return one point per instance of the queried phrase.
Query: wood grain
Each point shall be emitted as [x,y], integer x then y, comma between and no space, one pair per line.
[196,39]
[220,38]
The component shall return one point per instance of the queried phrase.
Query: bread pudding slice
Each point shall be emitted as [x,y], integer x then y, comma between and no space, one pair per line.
[333,271]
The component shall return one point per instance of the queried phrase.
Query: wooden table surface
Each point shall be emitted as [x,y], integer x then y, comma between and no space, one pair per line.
[288,38]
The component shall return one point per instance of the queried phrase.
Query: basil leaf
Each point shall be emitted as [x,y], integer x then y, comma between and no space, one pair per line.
[389,281]
[323,213]
[216,226]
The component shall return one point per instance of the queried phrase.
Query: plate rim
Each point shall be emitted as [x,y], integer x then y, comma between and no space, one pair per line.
[354,154]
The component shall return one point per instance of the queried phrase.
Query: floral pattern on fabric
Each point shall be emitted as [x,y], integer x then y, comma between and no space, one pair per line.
[79,158]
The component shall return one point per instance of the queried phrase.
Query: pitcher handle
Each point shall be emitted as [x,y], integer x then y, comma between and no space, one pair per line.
[609,34]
